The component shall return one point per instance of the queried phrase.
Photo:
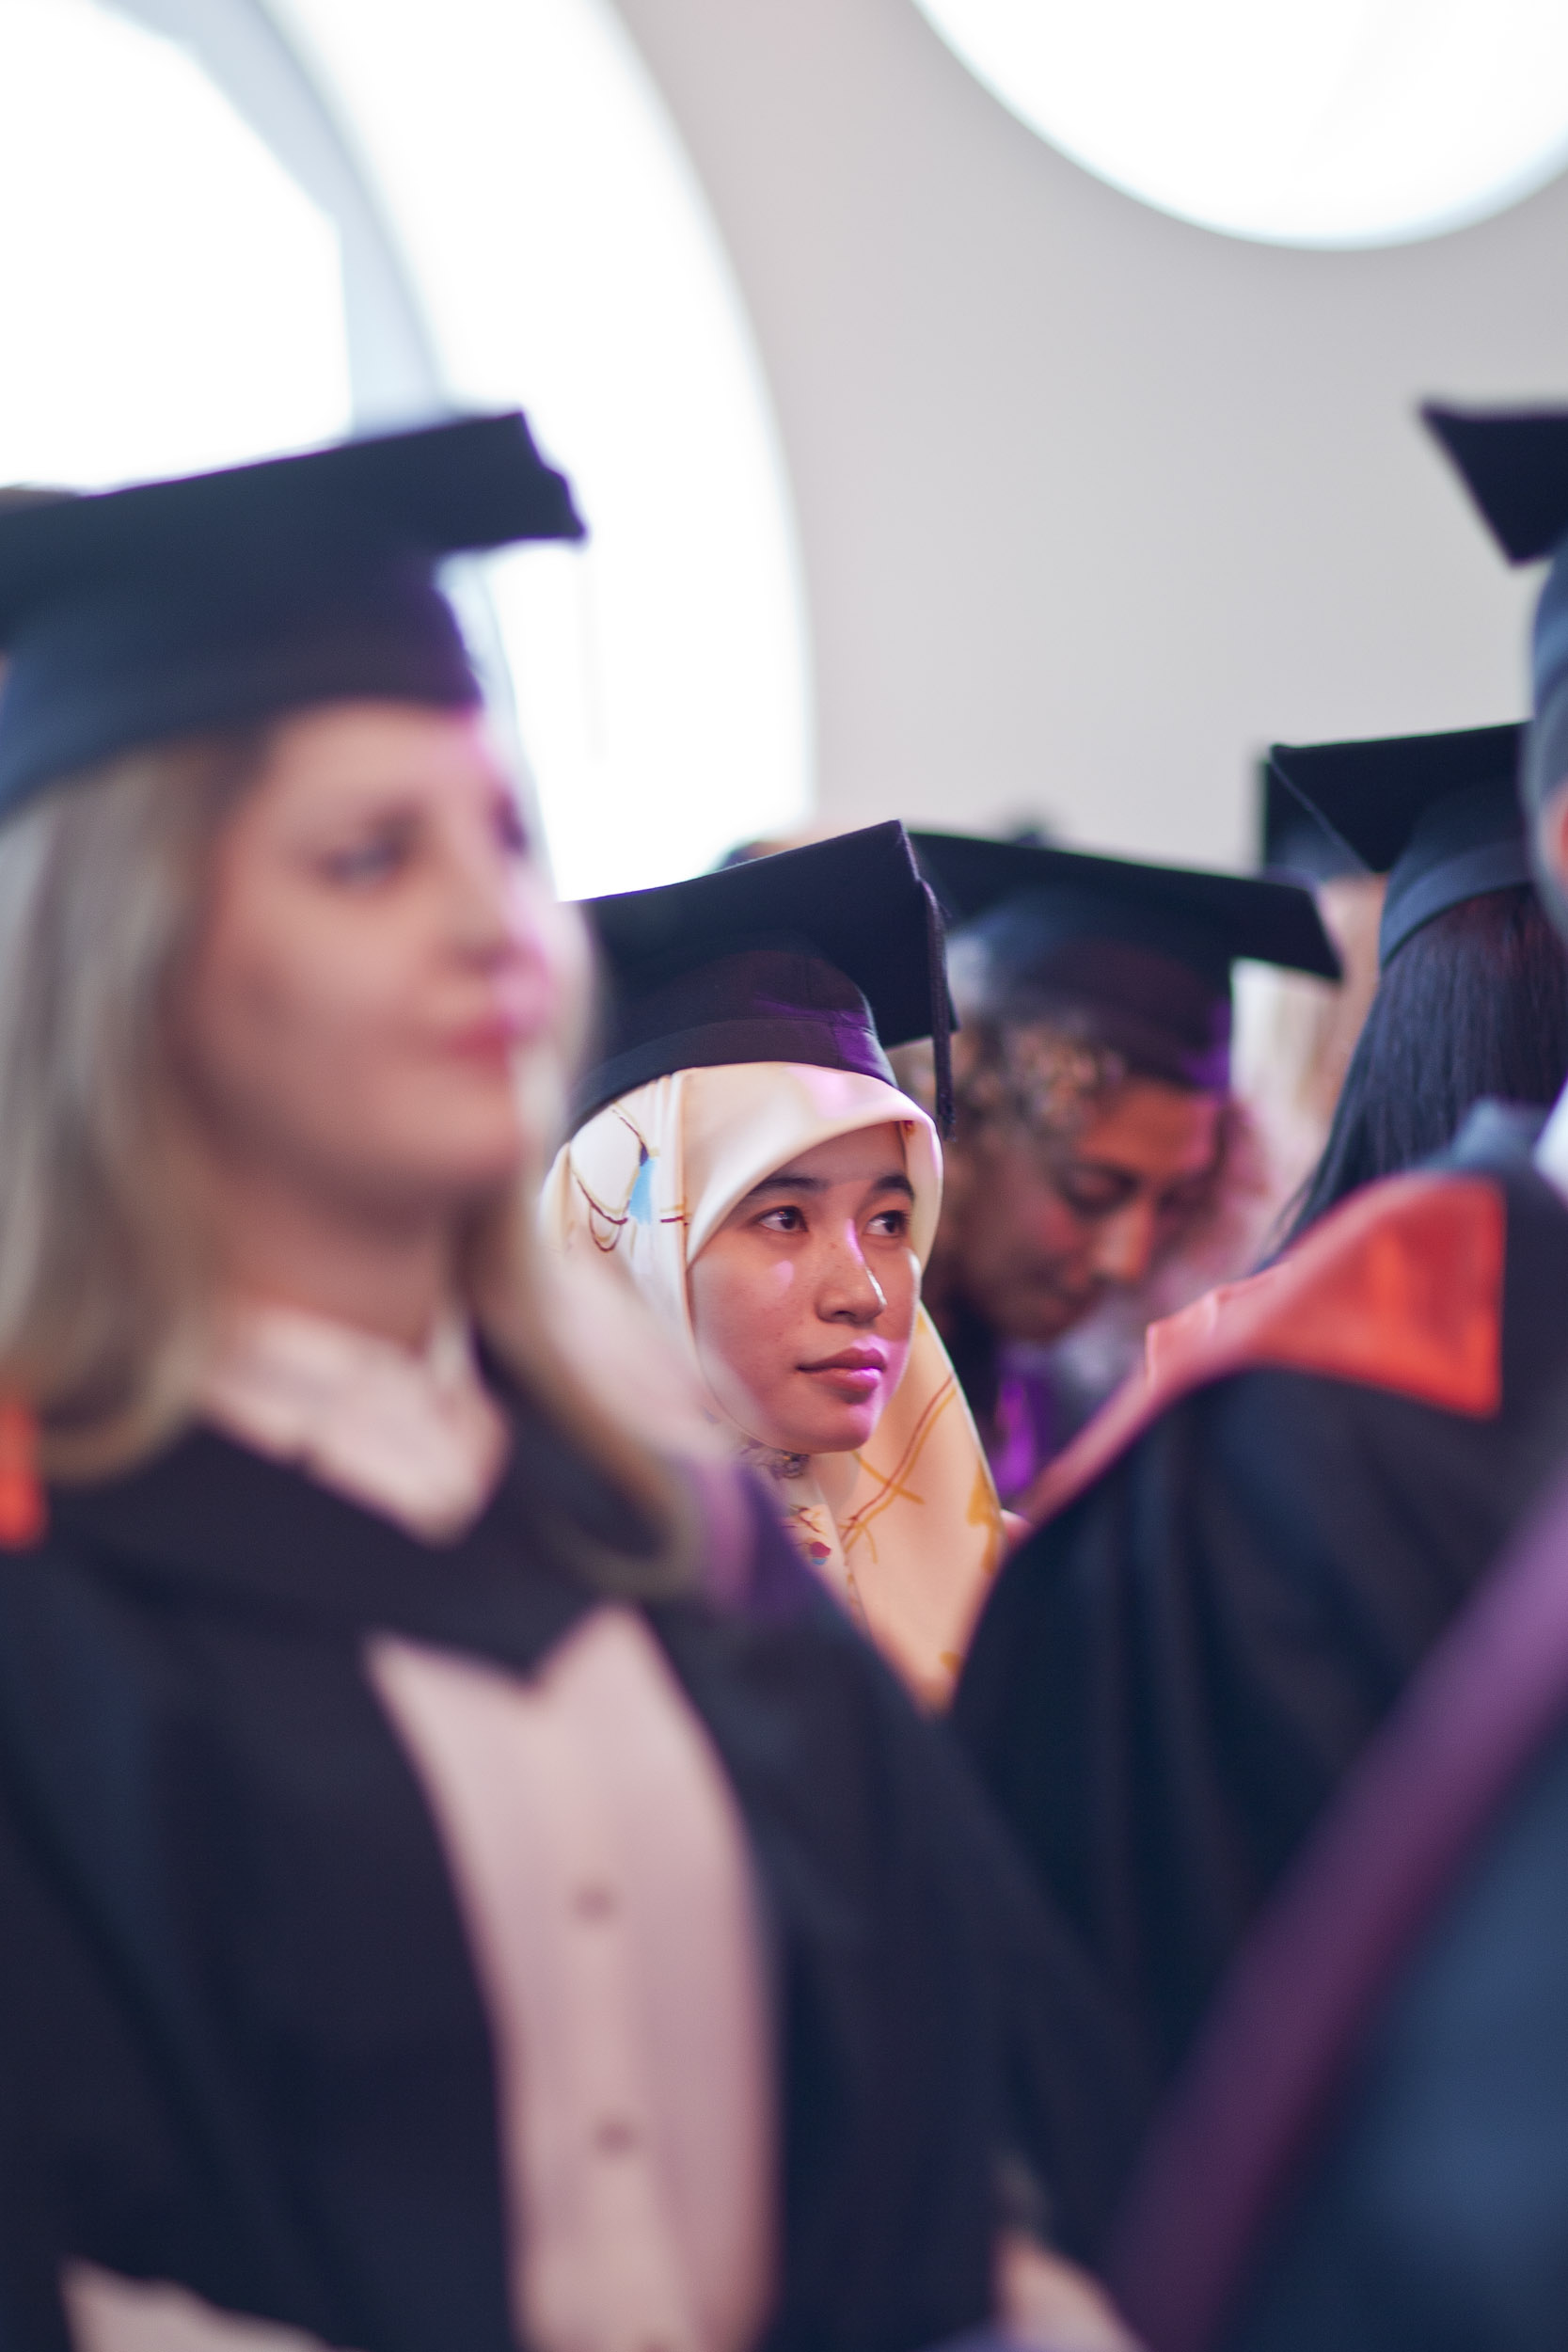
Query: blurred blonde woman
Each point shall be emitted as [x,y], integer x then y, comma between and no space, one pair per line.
[461,1885]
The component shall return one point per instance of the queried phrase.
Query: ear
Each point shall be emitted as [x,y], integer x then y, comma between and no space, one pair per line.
[1551,836]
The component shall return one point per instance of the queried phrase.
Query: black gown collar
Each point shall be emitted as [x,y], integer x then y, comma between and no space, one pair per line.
[211,1524]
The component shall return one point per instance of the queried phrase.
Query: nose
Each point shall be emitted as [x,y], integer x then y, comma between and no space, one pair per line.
[1123,1246]
[850,1292]
[489,913]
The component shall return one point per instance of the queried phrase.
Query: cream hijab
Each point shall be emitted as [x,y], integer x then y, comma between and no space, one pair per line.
[907,1533]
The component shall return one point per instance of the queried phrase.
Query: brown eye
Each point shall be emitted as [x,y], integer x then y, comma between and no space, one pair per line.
[376,857]
[1094,1192]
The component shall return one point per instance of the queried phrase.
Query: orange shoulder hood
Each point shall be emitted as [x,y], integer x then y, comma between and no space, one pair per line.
[1399,1289]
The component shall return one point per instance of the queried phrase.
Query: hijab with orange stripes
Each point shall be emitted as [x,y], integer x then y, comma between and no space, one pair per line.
[908,1532]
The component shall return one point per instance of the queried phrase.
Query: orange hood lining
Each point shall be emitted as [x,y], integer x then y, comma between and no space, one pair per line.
[1399,1289]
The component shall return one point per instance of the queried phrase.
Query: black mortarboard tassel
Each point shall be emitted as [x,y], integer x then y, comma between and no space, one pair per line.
[1150,947]
[1439,814]
[176,608]
[942,1012]
[828,955]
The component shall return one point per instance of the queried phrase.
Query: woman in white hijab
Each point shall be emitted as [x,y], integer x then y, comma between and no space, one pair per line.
[747,1161]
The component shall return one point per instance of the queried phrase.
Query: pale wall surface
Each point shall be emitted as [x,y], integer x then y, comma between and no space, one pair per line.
[1092,503]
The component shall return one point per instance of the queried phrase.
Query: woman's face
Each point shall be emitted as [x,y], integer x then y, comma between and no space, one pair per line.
[370,1010]
[803,1302]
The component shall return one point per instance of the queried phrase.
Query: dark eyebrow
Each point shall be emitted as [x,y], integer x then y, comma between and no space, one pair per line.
[786,1183]
[895,1181]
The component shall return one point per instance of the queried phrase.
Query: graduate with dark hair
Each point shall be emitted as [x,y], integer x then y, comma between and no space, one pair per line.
[1472,998]
[1098,1144]
[1242,1564]
[1370,2149]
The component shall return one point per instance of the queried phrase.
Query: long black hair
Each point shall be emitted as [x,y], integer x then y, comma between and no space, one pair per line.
[1474,1004]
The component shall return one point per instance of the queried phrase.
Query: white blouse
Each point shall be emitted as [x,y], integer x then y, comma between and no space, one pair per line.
[415,1435]
[601,1866]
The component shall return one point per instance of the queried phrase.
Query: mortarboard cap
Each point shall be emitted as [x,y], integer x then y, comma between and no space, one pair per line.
[1439,814]
[827,954]
[135,616]
[1293,843]
[1150,947]
[1515,463]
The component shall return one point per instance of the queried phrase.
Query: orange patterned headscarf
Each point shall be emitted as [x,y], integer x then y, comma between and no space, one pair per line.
[908,1532]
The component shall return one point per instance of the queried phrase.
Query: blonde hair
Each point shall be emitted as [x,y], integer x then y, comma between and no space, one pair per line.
[107,1271]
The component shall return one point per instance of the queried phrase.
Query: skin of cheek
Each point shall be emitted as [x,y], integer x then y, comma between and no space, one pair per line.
[747,1313]
[1014,1251]
[316,1029]
[756,1319]
[307,1051]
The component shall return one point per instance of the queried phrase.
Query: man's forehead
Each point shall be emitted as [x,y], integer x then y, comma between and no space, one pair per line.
[1146,1123]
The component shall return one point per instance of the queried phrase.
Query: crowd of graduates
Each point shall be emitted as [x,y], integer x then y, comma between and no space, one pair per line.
[739,1617]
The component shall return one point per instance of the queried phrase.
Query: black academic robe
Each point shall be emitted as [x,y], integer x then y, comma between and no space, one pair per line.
[1369,2148]
[1435,2219]
[1172,1678]
[242,2045]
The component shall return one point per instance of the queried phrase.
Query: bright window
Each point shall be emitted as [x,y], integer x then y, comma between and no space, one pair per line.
[1327,122]
[173,298]
[169,299]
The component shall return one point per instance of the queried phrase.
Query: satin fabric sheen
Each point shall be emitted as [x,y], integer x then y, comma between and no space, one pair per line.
[907,1533]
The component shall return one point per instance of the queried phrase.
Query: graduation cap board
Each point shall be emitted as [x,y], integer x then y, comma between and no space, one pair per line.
[1439,814]
[174,608]
[1293,843]
[1149,947]
[826,955]
[1515,463]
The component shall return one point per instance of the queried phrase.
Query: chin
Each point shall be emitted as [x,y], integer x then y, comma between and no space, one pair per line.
[1044,1329]
[844,1437]
[469,1182]
[454,1182]
[464,1154]
[1034,1320]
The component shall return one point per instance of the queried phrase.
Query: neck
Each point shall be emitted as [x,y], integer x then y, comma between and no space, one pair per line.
[384,1272]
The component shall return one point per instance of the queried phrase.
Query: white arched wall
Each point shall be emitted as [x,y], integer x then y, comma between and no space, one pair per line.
[1092,503]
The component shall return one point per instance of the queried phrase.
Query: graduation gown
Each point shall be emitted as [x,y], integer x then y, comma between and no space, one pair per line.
[1175,1673]
[1435,2219]
[1368,2147]
[1023,1418]
[243,2047]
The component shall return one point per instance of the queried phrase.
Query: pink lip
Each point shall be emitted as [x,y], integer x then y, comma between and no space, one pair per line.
[491,1038]
[854,1373]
